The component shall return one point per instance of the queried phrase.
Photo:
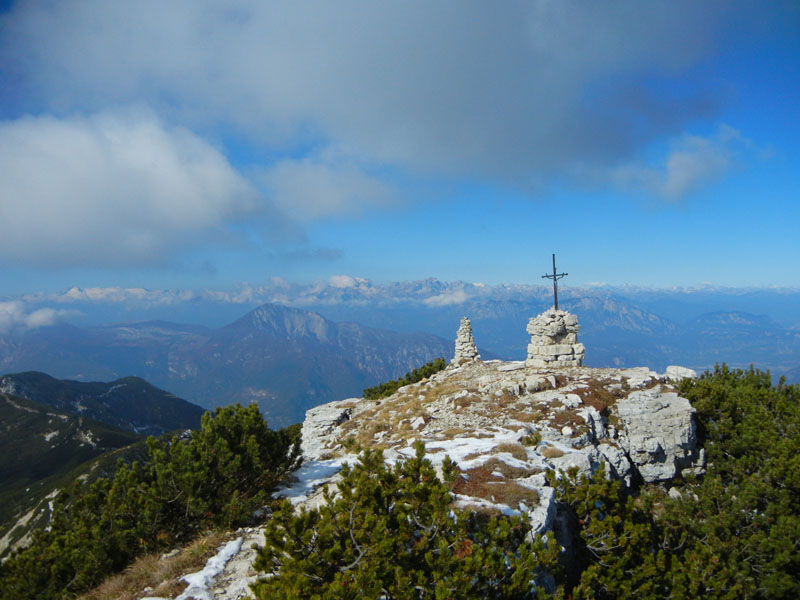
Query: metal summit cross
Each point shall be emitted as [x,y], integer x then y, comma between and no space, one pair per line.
[555,277]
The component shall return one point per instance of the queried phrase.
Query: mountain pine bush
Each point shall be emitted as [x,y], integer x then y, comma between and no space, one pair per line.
[390,532]
[734,533]
[387,388]
[212,478]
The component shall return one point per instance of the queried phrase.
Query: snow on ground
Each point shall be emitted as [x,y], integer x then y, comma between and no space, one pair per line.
[200,582]
[523,420]
[460,449]
[310,476]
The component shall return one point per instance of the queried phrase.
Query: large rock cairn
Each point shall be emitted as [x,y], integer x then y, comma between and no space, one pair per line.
[465,344]
[554,340]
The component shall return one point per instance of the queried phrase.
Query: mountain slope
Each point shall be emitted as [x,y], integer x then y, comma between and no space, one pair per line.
[129,403]
[288,360]
[39,447]
[285,359]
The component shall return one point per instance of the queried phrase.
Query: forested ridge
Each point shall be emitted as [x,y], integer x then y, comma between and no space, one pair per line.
[215,477]
[390,530]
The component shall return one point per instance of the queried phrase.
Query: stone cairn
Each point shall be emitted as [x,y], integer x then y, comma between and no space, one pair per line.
[554,340]
[465,344]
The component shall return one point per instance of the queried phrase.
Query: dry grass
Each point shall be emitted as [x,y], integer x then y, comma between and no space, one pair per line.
[160,574]
[445,389]
[551,452]
[515,450]
[453,432]
[482,483]
[596,395]
[486,511]
[496,465]
[569,418]
[527,413]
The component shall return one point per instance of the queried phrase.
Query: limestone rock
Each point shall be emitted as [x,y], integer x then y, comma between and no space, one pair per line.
[658,433]
[465,344]
[320,422]
[675,373]
[619,466]
[554,340]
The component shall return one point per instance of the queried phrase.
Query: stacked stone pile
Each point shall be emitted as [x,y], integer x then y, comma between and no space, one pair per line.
[554,340]
[465,344]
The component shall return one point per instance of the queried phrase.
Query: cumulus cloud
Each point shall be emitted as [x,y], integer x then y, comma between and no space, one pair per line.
[342,281]
[448,298]
[15,315]
[516,92]
[691,163]
[111,189]
[309,189]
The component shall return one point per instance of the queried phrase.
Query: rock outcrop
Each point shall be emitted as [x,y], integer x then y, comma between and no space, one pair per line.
[504,424]
[675,373]
[515,422]
[554,340]
[658,433]
[465,344]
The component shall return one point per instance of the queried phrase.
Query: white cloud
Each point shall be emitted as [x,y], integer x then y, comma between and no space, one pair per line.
[515,92]
[111,189]
[312,188]
[447,298]
[342,281]
[692,162]
[15,314]
[118,294]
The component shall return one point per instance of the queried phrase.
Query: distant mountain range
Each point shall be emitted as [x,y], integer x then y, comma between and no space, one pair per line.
[618,330]
[314,343]
[285,359]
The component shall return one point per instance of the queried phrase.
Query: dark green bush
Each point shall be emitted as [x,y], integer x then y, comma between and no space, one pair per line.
[390,532]
[734,533]
[214,477]
[387,388]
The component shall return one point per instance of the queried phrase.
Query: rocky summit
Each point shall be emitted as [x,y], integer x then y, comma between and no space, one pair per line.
[504,424]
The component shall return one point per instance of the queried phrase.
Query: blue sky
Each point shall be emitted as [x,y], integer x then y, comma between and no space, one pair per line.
[202,144]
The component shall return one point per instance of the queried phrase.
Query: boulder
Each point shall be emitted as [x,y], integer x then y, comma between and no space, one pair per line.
[675,373]
[319,422]
[658,433]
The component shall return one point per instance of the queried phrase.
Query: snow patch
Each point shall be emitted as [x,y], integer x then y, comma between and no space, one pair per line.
[310,476]
[200,582]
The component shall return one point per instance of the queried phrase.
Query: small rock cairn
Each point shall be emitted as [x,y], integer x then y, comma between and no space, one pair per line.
[554,340]
[465,344]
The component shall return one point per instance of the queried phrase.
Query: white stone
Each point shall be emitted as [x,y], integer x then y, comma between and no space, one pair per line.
[618,464]
[417,423]
[534,383]
[676,373]
[658,433]
[321,421]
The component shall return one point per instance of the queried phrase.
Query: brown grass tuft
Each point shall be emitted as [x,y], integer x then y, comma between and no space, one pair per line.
[551,452]
[509,472]
[596,395]
[515,450]
[160,574]
[481,483]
